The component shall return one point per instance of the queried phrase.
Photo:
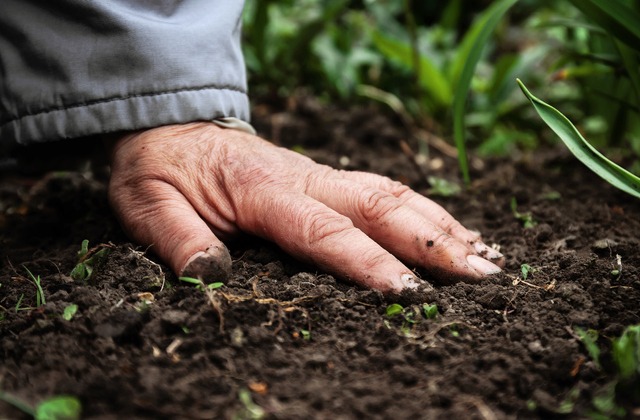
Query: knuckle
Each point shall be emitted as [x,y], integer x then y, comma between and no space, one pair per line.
[373,259]
[377,205]
[324,225]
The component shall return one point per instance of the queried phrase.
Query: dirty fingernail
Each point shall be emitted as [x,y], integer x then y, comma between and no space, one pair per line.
[410,281]
[485,251]
[483,266]
[212,264]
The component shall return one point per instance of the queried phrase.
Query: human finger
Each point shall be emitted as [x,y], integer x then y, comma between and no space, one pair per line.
[312,231]
[156,214]
[401,230]
[430,210]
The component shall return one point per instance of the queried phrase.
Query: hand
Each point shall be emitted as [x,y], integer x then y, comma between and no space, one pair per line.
[184,188]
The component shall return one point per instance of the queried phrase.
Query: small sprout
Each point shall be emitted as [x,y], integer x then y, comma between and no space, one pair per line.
[589,339]
[616,273]
[185,329]
[454,331]
[69,312]
[525,218]
[430,311]
[88,259]
[60,407]
[200,285]
[40,299]
[626,352]
[251,410]
[442,187]
[394,309]
[19,303]
[306,334]
[526,269]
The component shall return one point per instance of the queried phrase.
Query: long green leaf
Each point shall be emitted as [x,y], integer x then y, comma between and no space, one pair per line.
[587,154]
[486,24]
[430,78]
[615,17]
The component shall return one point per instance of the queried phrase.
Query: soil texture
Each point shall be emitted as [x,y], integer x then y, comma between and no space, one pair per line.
[283,340]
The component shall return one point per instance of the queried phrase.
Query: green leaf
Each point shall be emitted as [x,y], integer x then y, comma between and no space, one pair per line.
[394,309]
[589,339]
[581,149]
[62,407]
[69,312]
[430,311]
[430,77]
[442,187]
[626,352]
[526,269]
[615,17]
[477,39]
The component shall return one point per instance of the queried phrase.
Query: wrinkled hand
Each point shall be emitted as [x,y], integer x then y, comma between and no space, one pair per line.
[184,188]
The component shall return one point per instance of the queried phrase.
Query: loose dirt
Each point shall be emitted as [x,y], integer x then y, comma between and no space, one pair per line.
[283,340]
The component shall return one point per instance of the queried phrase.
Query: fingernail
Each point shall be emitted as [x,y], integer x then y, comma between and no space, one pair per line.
[483,266]
[486,251]
[212,264]
[409,281]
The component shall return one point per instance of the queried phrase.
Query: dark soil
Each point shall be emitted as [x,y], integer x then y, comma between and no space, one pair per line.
[297,342]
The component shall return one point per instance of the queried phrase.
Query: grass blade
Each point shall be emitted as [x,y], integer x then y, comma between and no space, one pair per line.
[486,24]
[587,154]
[616,18]
[429,77]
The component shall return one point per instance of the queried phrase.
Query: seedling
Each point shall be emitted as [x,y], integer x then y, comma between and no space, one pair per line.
[59,407]
[69,312]
[626,353]
[250,410]
[88,259]
[306,334]
[40,299]
[200,285]
[409,315]
[443,187]
[589,339]
[526,219]
[526,269]
[430,311]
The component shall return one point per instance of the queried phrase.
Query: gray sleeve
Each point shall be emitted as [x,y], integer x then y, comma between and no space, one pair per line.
[74,68]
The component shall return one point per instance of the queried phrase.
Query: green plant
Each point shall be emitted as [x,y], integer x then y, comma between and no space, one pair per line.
[526,219]
[200,285]
[60,407]
[587,154]
[625,352]
[88,259]
[526,269]
[410,315]
[250,410]
[40,298]
[69,312]
[430,311]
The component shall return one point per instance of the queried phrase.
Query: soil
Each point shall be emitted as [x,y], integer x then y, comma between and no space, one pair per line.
[283,340]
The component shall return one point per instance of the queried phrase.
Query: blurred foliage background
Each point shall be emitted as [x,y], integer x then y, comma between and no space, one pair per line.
[409,55]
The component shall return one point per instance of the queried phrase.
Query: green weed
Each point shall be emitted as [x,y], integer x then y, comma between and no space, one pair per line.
[410,315]
[88,260]
[59,407]
[69,312]
[526,269]
[40,298]
[526,219]
[200,285]
[250,410]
